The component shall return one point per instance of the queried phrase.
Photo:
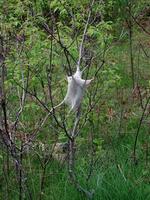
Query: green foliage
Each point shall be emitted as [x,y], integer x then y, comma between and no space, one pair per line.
[104,145]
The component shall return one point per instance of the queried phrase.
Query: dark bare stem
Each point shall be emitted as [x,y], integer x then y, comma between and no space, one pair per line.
[92,154]
[3,116]
[138,131]
[138,23]
[20,177]
[144,51]
[6,175]
[71,160]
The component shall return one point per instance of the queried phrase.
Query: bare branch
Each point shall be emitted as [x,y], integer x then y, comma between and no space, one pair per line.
[83,36]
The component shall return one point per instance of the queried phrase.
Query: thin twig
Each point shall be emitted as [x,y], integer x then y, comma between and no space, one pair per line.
[138,130]
[84,34]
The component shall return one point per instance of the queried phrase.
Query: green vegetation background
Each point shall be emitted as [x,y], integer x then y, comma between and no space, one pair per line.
[113,122]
